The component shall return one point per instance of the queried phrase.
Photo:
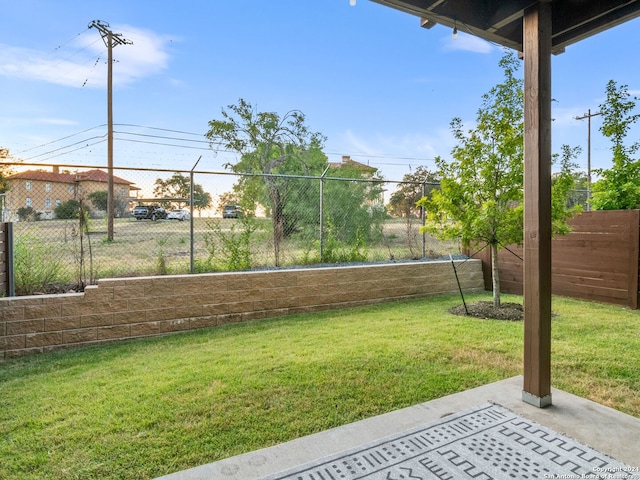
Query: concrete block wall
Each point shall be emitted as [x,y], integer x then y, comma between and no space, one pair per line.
[124,308]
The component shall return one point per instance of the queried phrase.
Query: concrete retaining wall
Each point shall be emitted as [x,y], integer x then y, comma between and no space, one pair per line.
[123,308]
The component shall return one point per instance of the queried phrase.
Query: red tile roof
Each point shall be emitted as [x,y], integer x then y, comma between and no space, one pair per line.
[44,176]
[95,175]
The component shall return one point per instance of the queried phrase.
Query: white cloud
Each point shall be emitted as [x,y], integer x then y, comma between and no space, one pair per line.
[566,117]
[55,121]
[83,62]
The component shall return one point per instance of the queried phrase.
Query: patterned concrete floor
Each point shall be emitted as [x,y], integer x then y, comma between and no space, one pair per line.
[487,442]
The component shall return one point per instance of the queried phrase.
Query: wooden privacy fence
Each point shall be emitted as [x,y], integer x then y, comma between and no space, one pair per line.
[598,260]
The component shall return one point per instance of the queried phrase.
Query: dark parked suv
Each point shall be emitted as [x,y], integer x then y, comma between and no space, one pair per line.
[230,211]
[150,212]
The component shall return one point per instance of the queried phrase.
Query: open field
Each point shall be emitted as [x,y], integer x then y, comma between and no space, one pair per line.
[163,247]
[140,409]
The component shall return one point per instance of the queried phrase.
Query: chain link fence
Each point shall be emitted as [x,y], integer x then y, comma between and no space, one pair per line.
[198,222]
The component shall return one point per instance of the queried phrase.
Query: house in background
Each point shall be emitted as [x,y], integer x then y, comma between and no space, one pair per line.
[349,168]
[44,191]
[347,163]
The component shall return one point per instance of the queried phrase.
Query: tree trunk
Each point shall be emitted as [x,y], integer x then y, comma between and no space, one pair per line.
[495,275]
[277,218]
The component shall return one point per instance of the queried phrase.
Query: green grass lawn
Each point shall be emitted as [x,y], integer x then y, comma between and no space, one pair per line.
[141,409]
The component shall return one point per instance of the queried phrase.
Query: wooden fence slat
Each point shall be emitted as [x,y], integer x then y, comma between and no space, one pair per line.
[598,260]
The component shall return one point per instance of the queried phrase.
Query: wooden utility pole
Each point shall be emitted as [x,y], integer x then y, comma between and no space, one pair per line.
[110,40]
[588,116]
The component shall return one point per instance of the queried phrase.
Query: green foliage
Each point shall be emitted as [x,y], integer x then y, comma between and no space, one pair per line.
[229,198]
[418,184]
[179,186]
[228,245]
[481,189]
[68,210]
[578,195]
[335,251]
[27,214]
[99,199]
[36,266]
[5,170]
[619,186]
[83,249]
[562,186]
[161,261]
[268,144]
[480,200]
[353,206]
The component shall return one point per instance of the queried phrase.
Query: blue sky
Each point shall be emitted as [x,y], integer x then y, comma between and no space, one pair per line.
[380,88]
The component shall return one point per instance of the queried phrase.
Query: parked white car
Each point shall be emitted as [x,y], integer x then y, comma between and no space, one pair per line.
[180,214]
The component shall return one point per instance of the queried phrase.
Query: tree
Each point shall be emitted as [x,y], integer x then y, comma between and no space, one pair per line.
[619,186]
[27,214]
[201,199]
[414,186]
[480,200]
[404,203]
[178,186]
[353,207]
[5,170]
[578,195]
[269,145]
[227,198]
[563,188]
[98,199]
[67,210]
[175,187]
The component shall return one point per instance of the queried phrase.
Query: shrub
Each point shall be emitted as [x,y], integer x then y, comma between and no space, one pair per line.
[35,266]
[67,210]
[229,249]
[27,214]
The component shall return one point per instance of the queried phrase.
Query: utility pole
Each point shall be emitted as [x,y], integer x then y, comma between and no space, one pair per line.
[588,116]
[110,40]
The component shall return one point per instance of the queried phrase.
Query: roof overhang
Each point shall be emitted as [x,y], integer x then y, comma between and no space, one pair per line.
[500,21]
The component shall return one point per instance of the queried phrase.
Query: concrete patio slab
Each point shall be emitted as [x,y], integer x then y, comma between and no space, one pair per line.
[603,429]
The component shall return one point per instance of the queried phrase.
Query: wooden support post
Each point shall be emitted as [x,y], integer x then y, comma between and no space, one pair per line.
[537,204]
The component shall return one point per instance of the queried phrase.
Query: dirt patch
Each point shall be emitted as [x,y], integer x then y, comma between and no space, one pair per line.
[508,311]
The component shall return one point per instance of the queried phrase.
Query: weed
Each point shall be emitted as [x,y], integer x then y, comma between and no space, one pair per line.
[161,261]
[235,251]
[36,266]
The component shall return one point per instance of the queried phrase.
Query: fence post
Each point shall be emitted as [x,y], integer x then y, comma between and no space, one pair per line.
[191,239]
[322,212]
[423,214]
[7,284]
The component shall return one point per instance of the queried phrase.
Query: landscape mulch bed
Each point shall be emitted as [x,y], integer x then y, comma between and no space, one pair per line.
[507,311]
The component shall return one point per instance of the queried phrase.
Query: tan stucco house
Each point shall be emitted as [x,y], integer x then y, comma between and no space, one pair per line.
[45,190]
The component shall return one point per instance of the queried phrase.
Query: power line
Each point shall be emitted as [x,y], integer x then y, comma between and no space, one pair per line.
[158,128]
[174,142]
[68,41]
[162,137]
[67,146]
[60,139]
